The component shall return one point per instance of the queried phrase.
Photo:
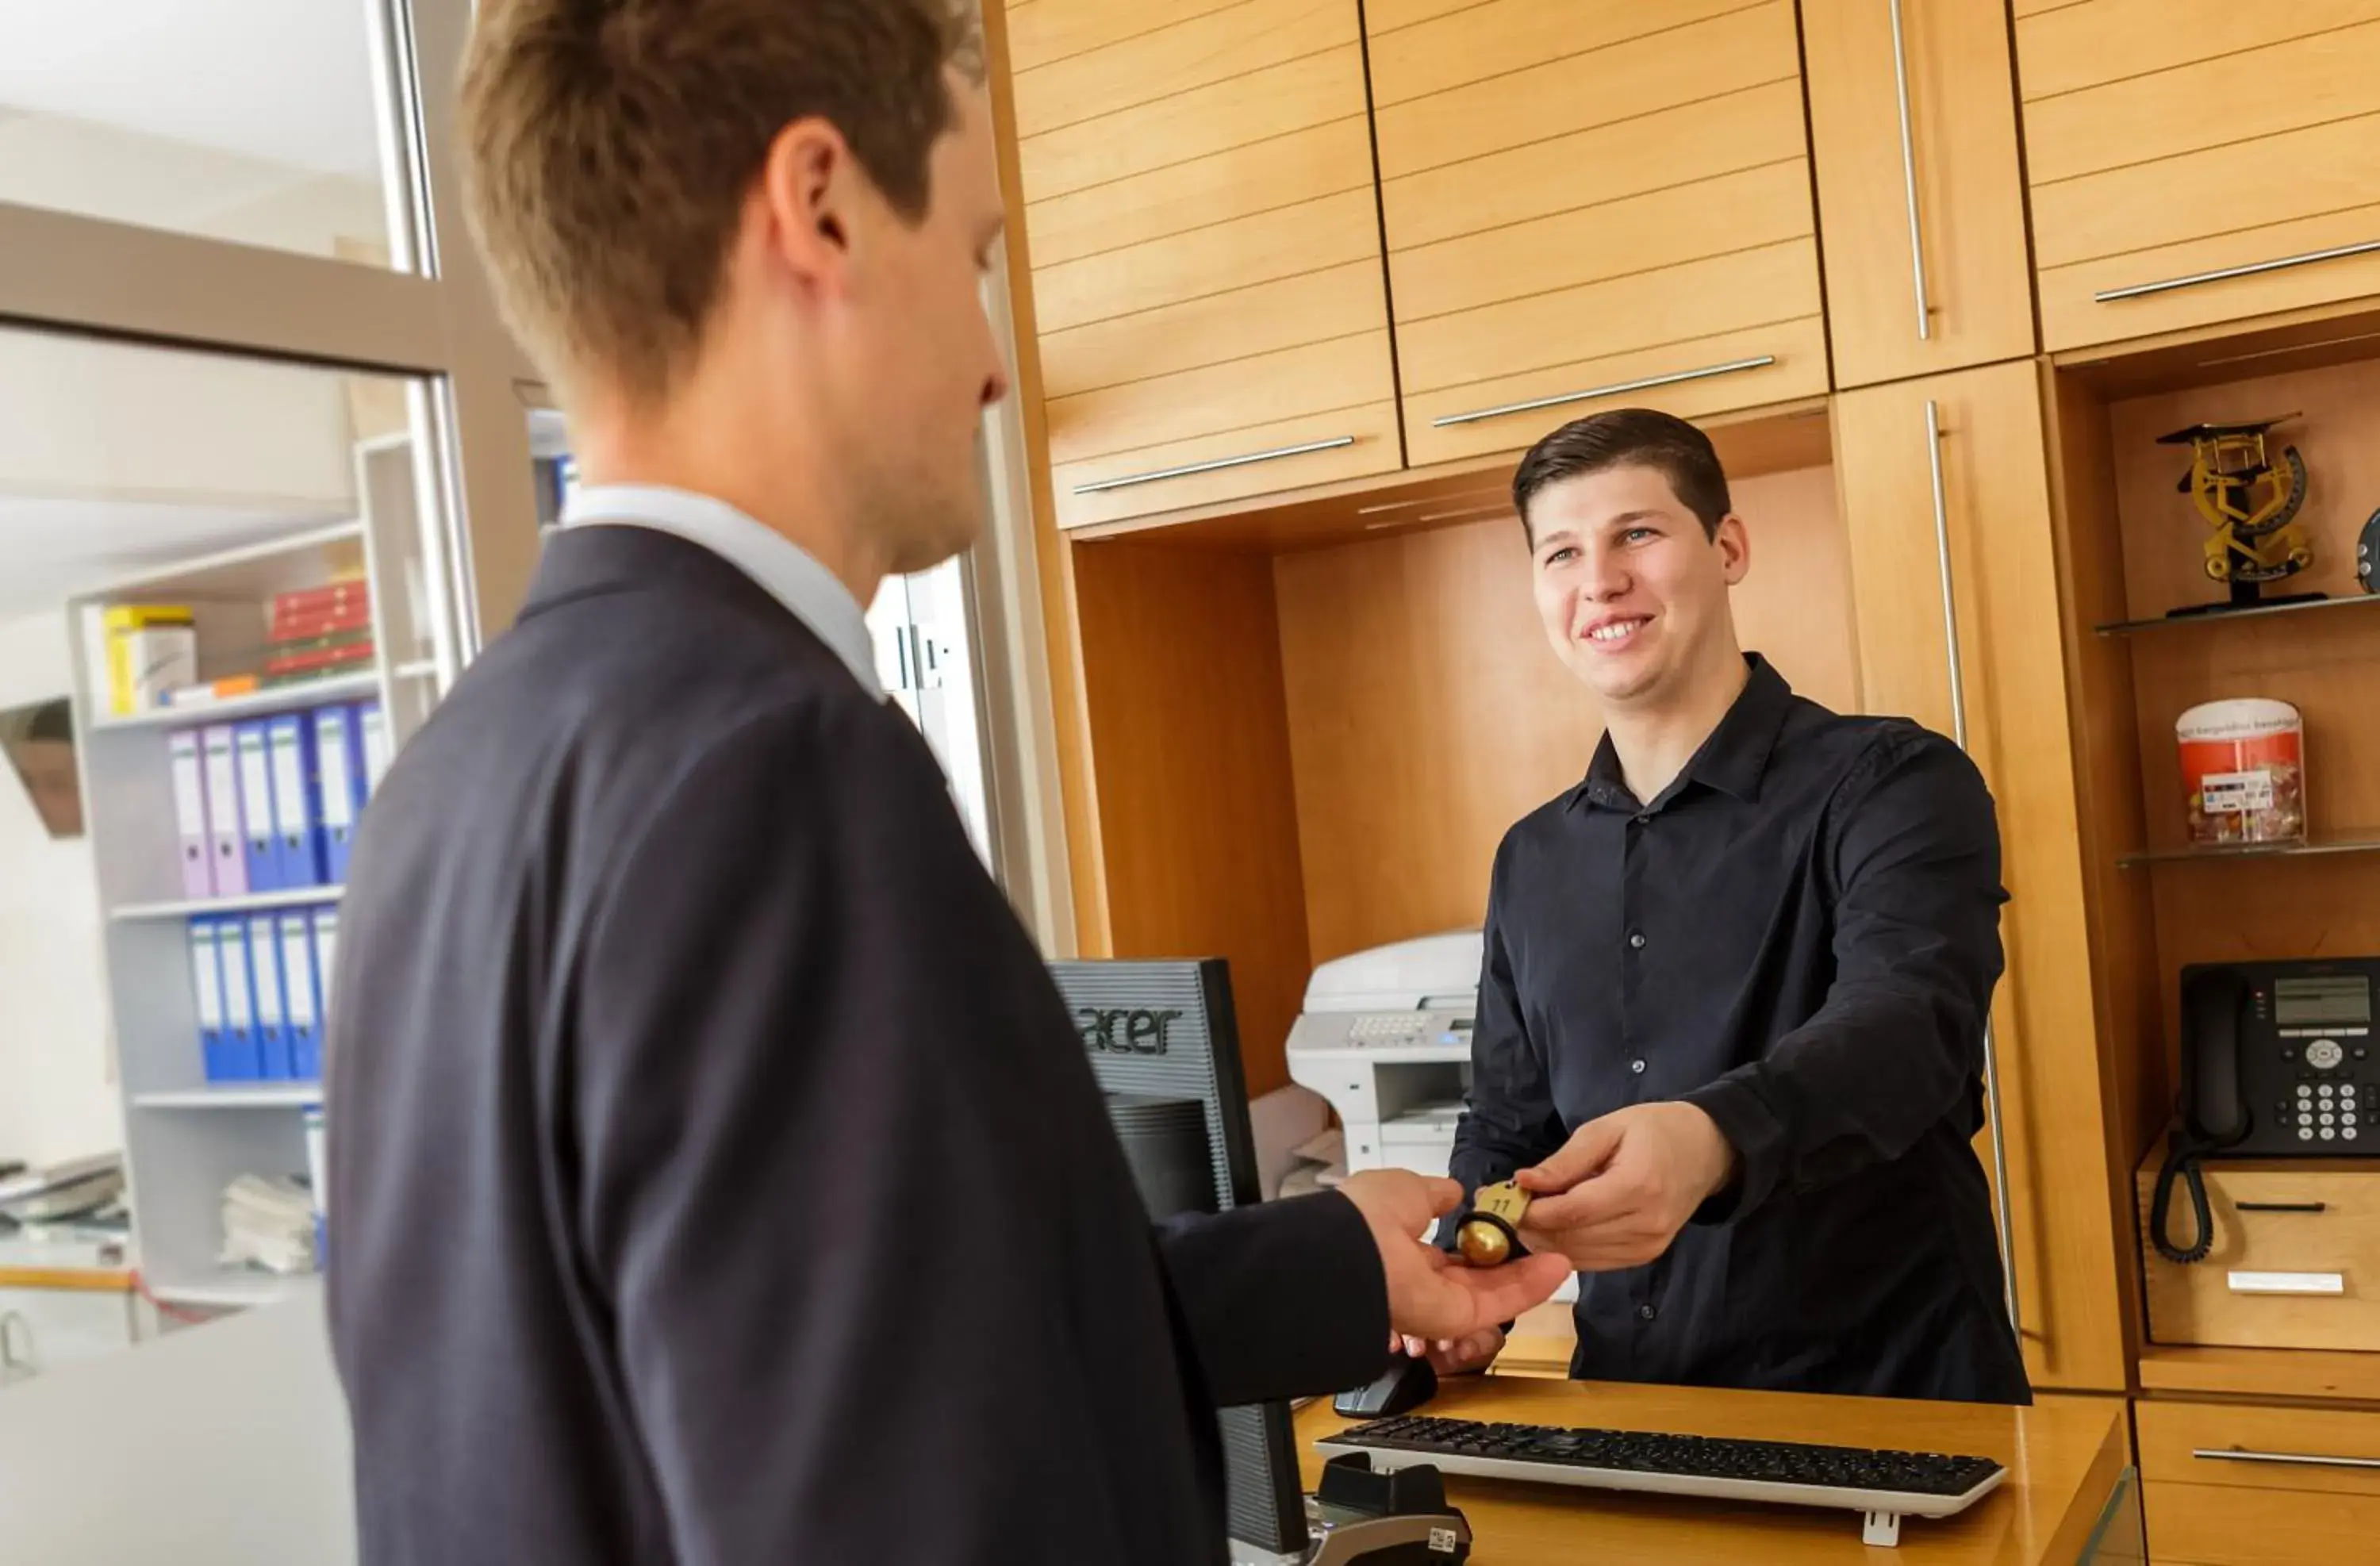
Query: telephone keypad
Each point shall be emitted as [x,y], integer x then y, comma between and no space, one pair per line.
[2327,1106]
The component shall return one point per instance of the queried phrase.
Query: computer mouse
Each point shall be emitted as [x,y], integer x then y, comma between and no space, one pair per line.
[1407,1383]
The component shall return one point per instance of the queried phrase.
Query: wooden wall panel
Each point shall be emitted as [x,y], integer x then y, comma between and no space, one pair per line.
[2101,705]
[1427,713]
[2004,574]
[1182,662]
[2070,46]
[1199,199]
[1502,36]
[1545,99]
[2166,141]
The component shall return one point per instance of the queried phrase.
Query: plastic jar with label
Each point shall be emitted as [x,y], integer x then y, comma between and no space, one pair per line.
[2243,771]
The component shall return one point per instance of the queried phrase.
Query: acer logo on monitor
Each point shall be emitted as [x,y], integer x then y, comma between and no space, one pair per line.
[1124,1031]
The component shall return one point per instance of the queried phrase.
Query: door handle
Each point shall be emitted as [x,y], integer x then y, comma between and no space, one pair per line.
[2223,275]
[1216,466]
[1616,388]
[1958,732]
[1909,176]
[2293,1459]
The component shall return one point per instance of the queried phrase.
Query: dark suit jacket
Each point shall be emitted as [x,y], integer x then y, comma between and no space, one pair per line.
[715,1177]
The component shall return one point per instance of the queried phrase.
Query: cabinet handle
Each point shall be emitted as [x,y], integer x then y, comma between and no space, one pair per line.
[1216,466]
[2242,1281]
[2292,1459]
[1909,177]
[1646,384]
[1958,732]
[2336,252]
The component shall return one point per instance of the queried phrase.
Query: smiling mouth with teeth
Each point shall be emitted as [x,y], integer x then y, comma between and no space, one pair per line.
[1616,631]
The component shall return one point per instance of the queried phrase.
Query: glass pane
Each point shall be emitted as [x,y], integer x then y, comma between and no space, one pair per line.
[265,122]
[194,544]
[925,655]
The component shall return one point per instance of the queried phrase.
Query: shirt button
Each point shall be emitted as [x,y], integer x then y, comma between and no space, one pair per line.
[1636,1066]
[1646,1312]
[1636,940]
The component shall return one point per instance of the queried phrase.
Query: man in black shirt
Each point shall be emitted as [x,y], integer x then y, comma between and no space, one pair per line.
[1731,1017]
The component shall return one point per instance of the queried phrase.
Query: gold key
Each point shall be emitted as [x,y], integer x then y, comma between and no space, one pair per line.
[1491,1232]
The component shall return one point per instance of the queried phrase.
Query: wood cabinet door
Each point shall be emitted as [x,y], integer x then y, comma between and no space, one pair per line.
[1203,233]
[2197,161]
[1921,196]
[1977,530]
[1590,203]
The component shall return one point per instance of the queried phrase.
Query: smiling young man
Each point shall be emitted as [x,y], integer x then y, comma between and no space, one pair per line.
[1731,1021]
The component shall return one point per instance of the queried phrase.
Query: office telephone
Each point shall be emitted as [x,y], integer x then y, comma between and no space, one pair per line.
[2276,1062]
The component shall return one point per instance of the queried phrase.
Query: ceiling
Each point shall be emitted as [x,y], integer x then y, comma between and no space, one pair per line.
[56,547]
[284,82]
[287,82]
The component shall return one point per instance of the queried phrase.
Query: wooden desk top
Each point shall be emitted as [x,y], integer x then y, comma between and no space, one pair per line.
[2063,1456]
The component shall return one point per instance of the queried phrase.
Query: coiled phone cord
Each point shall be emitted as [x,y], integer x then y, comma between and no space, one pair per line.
[2181,1163]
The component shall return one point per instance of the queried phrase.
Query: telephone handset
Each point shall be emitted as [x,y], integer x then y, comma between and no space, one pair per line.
[2276,1062]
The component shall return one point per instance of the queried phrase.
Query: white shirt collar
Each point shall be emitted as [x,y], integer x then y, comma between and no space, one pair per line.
[790,574]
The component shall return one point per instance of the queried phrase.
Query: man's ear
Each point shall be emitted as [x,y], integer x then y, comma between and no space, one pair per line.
[805,193]
[1734,543]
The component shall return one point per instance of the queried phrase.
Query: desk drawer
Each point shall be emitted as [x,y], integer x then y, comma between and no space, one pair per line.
[2216,1525]
[2295,1261]
[2246,1485]
[2185,1443]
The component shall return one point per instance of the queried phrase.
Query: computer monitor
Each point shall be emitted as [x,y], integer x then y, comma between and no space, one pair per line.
[1161,1030]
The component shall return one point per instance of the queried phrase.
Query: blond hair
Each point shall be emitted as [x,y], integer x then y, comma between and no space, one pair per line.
[608,147]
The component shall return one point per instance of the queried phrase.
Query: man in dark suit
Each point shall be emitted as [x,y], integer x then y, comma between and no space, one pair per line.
[715,1176]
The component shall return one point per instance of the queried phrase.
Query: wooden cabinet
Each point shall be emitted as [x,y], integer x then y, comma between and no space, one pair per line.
[2193,162]
[1203,241]
[2290,1261]
[2241,1484]
[1977,530]
[1589,203]
[1921,197]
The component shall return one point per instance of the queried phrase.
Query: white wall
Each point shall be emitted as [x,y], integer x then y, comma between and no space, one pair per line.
[56,1100]
[96,170]
[83,417]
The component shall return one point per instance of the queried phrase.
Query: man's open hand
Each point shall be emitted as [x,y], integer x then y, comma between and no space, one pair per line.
[1624,1184]
[1431,1294]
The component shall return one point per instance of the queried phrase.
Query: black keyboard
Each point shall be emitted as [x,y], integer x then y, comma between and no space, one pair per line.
[1883,1484]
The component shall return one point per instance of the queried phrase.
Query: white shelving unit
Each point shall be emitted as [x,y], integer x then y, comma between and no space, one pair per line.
[254,903]
[262,704]
[234,1096]
[185,1139]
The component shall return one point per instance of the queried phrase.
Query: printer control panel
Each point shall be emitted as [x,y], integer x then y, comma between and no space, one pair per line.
[1442,1034]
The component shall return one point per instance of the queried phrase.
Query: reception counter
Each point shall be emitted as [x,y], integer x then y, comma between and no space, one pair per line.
[2070,1495]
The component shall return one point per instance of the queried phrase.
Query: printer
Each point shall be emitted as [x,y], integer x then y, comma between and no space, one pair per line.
[1386,1038]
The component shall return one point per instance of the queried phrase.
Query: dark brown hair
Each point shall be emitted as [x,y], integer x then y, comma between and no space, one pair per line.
[1622,435]
[609,146]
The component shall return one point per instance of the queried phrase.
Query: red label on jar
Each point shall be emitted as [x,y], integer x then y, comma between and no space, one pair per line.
[2245,790]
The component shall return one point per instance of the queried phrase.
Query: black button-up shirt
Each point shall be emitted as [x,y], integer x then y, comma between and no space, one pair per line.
[1800,935]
